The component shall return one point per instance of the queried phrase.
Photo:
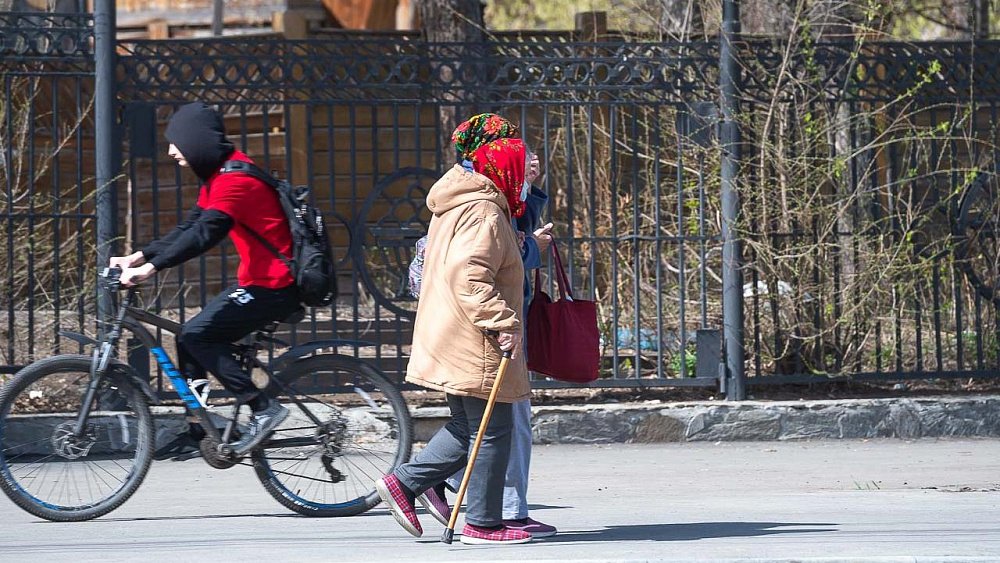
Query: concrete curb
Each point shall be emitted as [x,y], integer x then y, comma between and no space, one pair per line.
[925,417]
[708,421]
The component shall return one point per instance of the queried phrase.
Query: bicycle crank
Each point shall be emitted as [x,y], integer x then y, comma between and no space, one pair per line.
[215,456]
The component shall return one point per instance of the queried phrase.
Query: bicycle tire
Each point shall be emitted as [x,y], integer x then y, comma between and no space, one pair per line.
[270,477]
[121,387]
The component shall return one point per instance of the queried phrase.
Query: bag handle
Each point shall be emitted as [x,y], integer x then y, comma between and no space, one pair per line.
[562,281]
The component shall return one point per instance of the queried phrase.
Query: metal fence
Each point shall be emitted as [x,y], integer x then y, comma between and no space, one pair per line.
[901,151]
[376,116]
[46,174]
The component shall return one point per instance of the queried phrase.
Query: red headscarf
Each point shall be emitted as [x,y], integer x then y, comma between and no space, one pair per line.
[503,162]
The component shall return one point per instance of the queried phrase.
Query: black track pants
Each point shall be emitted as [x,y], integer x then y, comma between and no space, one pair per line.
[206,341]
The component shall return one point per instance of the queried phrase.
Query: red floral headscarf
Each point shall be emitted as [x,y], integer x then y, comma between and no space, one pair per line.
[479,130]
[502,161]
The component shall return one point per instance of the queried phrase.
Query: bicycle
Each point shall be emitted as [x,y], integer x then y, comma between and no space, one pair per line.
[77,431]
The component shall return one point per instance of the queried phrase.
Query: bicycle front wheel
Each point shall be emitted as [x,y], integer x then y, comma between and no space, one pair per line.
[56,473]
[325,457]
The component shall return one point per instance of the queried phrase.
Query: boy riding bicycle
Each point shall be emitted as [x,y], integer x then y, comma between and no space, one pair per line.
[246,209]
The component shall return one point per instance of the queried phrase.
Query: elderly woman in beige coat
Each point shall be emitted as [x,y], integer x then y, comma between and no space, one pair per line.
[469,312]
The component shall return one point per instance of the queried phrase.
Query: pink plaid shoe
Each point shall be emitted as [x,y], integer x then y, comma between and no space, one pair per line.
[391,491]
[534,527]
[476,535]
[435,503]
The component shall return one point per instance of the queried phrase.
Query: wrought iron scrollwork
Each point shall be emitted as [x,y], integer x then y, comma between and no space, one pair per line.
[976,233]
[45,37]
[386,228]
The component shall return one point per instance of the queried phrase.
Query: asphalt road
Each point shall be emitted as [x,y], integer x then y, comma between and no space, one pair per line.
[761,501]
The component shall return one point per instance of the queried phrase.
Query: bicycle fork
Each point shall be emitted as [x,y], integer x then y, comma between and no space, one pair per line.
[99,365]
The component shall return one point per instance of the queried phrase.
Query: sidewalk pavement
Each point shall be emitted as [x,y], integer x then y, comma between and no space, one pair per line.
[879,500]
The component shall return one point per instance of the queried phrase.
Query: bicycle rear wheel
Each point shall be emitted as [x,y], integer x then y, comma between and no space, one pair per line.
[49,471]
[364,431]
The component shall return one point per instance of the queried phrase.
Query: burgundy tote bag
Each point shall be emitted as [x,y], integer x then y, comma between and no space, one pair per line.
[563,341]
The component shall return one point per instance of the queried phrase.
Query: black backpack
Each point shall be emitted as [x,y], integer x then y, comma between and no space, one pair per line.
[311,262]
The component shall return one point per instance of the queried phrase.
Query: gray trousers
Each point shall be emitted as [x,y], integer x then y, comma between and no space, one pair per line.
[515,490]
[447,452]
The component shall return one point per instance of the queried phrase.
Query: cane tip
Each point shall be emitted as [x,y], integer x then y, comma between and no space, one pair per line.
[448,535]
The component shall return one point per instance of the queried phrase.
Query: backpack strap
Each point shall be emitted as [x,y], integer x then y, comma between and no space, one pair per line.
[254,171]
[250,169]
[287,261]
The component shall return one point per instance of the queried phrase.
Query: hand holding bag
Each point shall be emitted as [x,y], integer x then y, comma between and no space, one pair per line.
[563,341]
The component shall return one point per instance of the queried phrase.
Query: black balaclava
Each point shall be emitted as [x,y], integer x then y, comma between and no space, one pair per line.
[198,132]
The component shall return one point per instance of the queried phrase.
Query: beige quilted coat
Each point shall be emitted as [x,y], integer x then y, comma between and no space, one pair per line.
[472,283]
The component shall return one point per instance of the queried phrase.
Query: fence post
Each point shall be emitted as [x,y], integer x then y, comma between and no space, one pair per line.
[104,148]
[294,25]
[158,29]
[732,277]
[591,26]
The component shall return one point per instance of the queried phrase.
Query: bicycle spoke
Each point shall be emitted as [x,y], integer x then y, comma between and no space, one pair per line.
[40,466]
[61,474]
[299,476]
[362,471]
[326,459]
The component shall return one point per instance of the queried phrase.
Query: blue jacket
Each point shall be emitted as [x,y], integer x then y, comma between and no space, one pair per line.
[527,223]
[532,257]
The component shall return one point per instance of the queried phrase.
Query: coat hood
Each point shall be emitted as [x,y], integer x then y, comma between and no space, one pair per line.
[198,132]
[458,187]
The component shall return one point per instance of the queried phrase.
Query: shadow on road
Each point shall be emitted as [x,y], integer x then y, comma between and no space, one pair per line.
[198,517]
[378,510]
[690,531]
[532,507]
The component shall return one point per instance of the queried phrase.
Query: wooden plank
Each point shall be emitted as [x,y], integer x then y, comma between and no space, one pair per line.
[385,137]
[364,162]
[158,29]
[363,14]
[374,113]
[261,145]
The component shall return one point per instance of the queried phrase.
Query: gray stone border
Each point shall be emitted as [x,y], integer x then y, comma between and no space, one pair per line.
[708,421]
[711,421]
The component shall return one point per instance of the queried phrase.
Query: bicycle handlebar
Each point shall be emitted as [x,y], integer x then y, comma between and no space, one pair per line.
[110,278]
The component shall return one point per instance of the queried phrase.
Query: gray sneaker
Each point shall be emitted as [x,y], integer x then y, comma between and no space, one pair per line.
[261,427]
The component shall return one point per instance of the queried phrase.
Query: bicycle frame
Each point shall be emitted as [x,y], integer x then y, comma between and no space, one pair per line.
[192,400]
[131,318]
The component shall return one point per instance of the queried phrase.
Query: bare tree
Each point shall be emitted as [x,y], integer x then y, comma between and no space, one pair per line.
[452,21]
[768,17]
[680,20]
[954,18]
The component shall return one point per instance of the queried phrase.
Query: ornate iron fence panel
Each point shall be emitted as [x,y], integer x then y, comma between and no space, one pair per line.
[46,183]
[366,123]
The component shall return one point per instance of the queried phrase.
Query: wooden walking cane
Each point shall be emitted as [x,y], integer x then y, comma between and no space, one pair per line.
[449,532]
